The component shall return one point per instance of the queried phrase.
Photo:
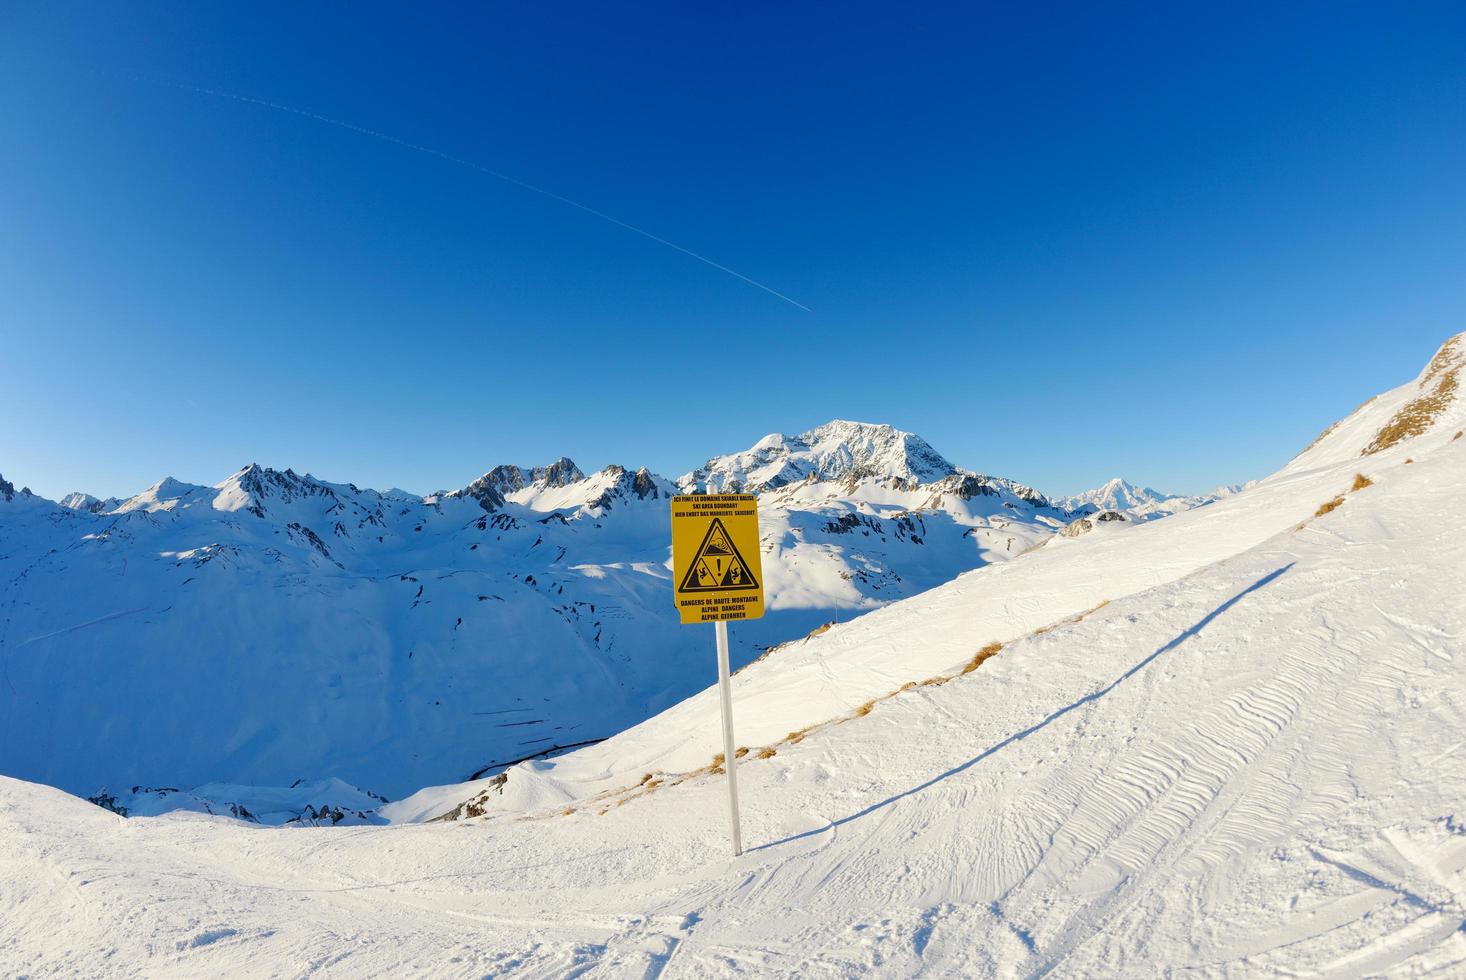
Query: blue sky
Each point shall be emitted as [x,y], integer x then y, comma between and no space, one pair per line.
[1062,243]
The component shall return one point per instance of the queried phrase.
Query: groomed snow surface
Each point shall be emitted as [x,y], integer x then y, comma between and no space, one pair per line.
[1251,759]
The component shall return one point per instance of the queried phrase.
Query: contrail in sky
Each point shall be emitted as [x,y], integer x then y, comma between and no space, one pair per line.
[352,127]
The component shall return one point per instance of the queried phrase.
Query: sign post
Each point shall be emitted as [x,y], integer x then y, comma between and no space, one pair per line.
[718,576]
[730,753]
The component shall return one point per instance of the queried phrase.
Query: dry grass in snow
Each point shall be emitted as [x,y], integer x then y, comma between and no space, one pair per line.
[1438,390]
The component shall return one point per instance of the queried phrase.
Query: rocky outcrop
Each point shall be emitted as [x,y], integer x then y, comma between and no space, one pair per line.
[1086,524]
[966,486]
[479,804]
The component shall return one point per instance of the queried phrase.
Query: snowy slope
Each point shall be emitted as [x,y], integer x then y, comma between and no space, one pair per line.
[1247,761]
[276,627]
[835,673]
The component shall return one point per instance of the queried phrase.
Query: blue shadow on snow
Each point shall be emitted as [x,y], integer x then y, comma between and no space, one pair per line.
[1019,736]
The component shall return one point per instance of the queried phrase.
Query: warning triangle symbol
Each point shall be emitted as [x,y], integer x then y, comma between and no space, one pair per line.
[717,566]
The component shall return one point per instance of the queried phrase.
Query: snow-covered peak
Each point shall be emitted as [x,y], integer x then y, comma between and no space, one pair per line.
[254,487]
[85,501]
[838,450]
[167,494]
[1118,494]
[1135,502]
[79,501]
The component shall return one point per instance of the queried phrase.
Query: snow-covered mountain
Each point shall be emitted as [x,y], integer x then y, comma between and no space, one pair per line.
[85,501]
[1136,503]
[838,450]
[276,626]
[1226,743]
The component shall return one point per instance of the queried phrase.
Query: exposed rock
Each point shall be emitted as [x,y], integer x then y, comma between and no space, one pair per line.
[107,801]
[485,490]
[561,472]
[479,804]
[642,485]
[492,489]
[1086,524]
[260,483]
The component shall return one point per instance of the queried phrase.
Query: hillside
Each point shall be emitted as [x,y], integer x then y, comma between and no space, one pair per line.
[1224,742]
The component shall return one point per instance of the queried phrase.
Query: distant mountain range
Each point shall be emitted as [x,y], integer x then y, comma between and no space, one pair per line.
[275,626]
[1138,503]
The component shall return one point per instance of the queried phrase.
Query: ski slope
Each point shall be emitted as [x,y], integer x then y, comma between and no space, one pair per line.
[1249,759]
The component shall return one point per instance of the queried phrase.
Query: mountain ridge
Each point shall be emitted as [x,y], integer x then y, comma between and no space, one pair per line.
[542,592]
[838,450]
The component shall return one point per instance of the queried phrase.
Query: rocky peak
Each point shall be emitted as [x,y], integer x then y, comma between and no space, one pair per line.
[622,485]
[492,489]
[561,472]
[7,490]
[249,489]
[644,485]
[506,478]
[489,489]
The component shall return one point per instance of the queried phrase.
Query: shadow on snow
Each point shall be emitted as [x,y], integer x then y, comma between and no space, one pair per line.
[1019,736]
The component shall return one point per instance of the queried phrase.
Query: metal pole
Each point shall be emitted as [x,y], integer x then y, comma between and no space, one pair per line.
[729,756]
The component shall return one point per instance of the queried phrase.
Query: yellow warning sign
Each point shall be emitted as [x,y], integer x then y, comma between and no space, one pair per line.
[715,557]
